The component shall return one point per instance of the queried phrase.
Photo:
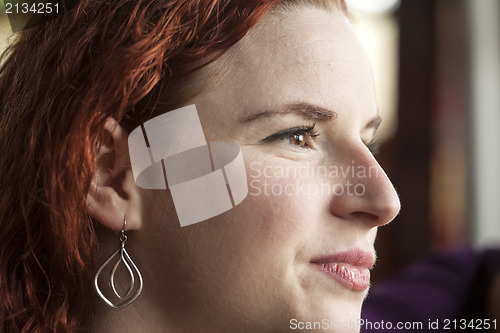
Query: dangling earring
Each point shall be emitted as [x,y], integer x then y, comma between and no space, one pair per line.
[133,291]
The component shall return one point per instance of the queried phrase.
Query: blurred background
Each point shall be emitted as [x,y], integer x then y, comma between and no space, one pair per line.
[437,70]
[437,73]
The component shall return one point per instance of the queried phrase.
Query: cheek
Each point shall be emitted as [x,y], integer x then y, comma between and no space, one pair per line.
[255,244]
[284,201]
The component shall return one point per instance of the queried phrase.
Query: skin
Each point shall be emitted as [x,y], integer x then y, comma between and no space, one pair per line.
[249,269]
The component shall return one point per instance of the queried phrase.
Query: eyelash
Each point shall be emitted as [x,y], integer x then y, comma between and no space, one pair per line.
[310,133]
[307,131]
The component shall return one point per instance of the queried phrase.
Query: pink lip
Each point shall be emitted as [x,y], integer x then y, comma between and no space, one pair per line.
[351,268]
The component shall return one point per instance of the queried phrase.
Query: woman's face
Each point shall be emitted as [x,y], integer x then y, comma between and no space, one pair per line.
[296,94]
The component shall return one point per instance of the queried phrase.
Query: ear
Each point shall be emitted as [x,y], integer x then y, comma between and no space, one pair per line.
[113,193]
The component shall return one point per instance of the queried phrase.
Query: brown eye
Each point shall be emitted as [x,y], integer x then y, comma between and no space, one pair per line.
[298,136]
[298,139]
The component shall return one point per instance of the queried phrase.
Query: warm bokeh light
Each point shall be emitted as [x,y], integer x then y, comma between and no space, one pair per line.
[380,34]
[373,6]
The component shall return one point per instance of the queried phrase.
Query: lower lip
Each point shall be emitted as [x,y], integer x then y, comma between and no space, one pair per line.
[353,277]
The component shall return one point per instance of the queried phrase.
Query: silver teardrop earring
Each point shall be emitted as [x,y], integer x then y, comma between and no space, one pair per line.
[133,291]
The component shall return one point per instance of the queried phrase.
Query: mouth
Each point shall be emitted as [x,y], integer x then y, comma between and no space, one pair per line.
[351,268]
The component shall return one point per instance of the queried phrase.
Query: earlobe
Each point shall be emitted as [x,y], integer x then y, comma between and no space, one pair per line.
[113,193]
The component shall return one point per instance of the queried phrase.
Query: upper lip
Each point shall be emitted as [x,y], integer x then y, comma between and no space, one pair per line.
[355,257]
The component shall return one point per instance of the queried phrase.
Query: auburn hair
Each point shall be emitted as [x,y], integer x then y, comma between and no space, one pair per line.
[59,81]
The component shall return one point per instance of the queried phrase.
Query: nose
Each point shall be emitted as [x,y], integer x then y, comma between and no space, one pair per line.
[367,193]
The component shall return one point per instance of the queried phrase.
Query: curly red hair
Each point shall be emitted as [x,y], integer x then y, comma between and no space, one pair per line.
[58,83]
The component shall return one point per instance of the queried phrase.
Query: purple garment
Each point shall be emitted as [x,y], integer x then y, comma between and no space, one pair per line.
[440,289]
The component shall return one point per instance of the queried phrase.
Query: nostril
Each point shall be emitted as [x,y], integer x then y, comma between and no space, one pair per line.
[365,216]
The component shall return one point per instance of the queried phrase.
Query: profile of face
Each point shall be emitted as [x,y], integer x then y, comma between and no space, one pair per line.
[296,94]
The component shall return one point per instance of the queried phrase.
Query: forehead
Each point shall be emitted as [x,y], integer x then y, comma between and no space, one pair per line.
[301,54]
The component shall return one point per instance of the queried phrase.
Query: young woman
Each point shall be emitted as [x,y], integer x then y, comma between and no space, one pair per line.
[286,81]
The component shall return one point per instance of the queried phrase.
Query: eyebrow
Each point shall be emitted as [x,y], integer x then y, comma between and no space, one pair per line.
[304,109]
